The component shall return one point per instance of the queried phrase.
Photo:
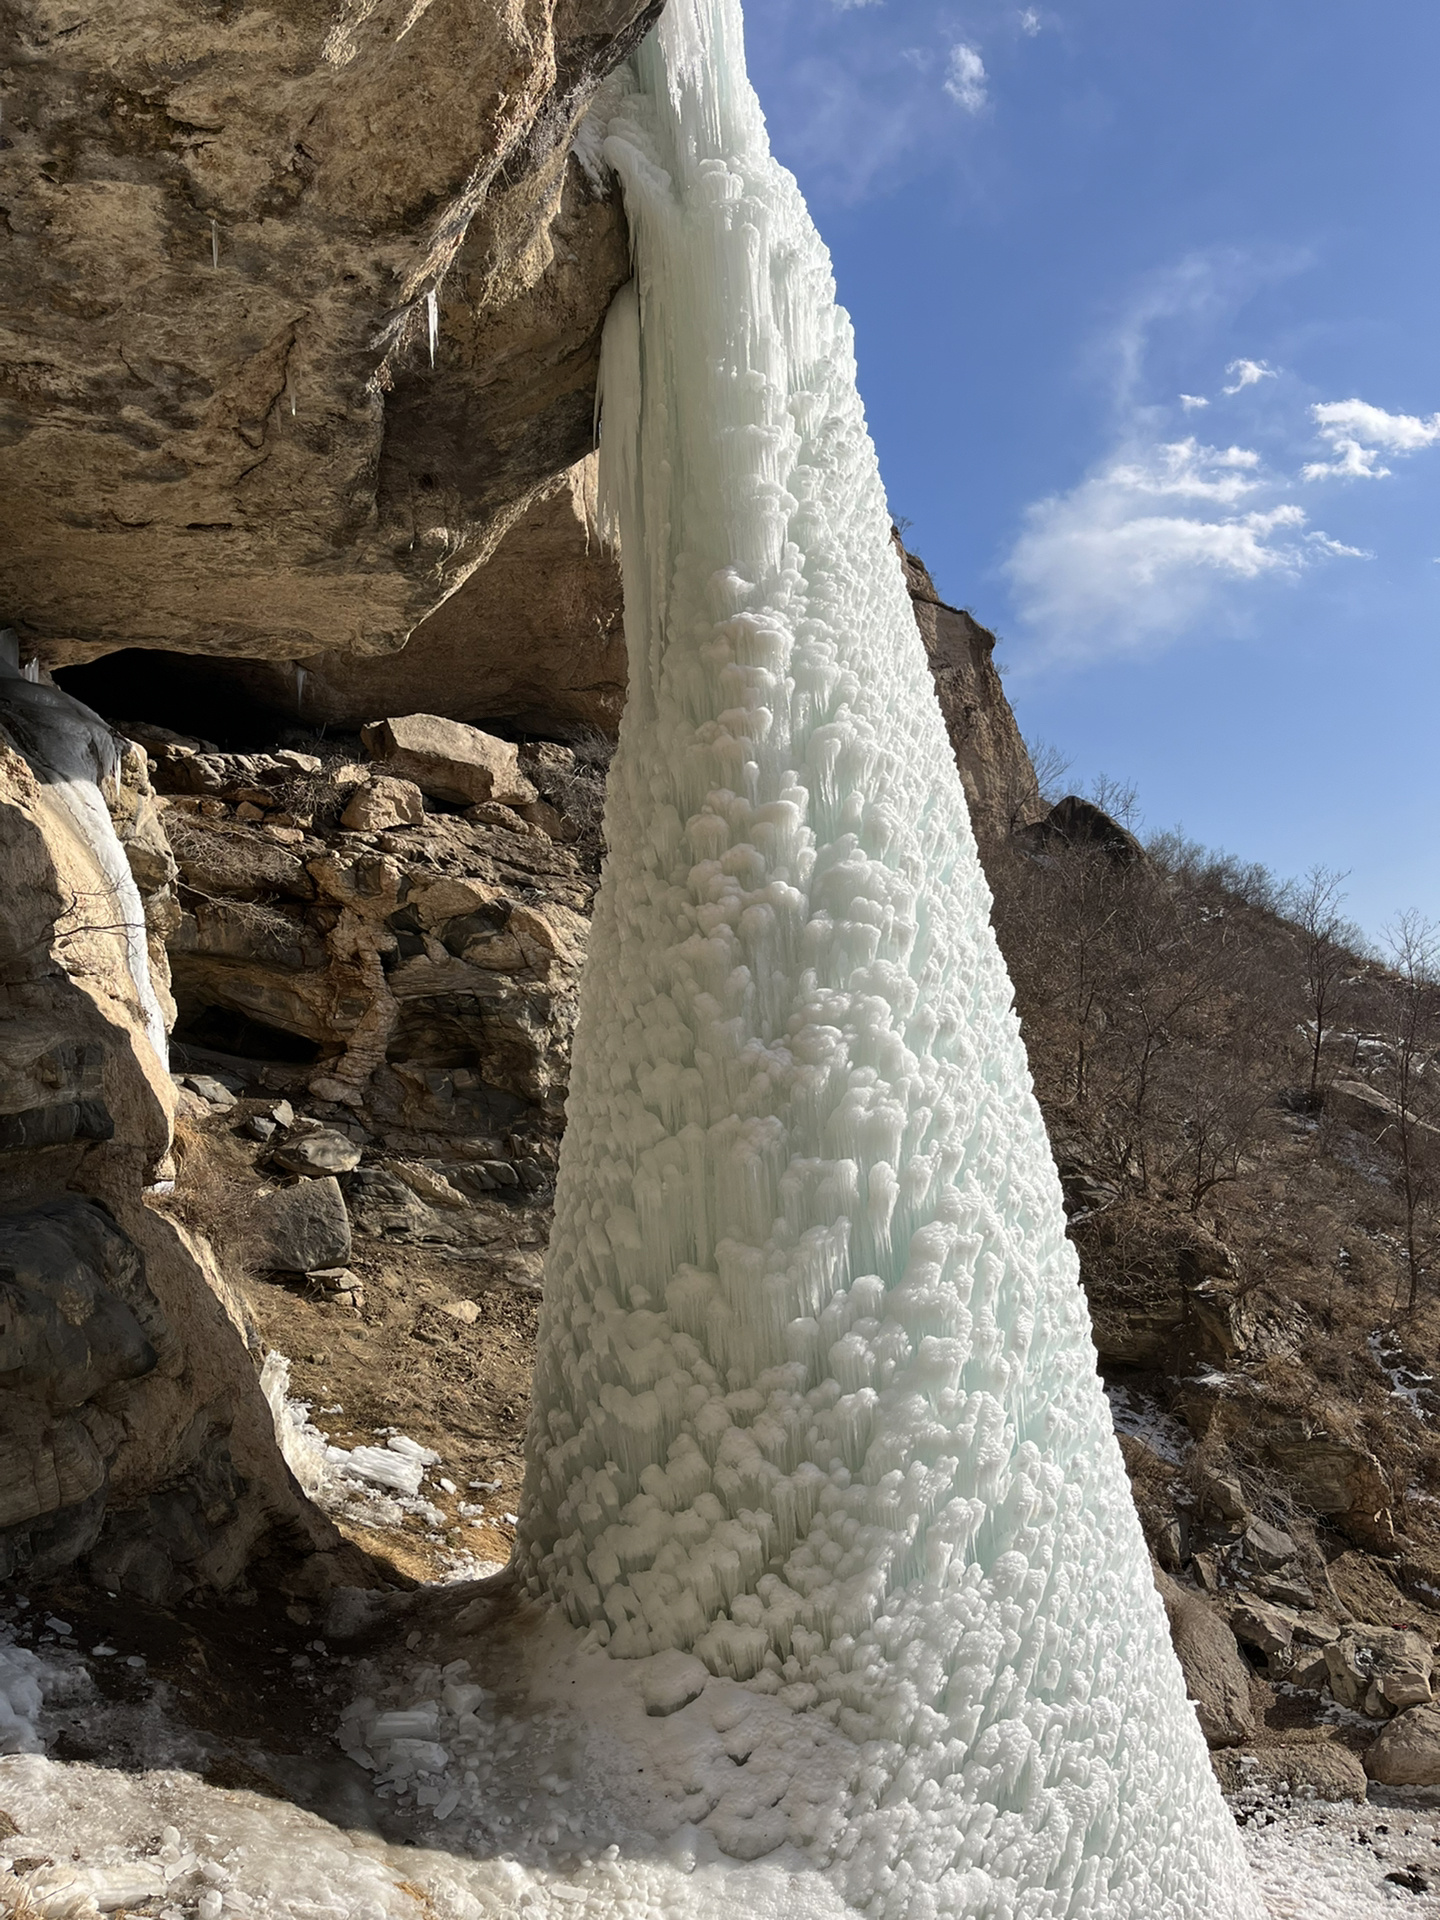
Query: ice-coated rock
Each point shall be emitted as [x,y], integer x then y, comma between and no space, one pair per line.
[448,760]
[670,1681]
[816,1398]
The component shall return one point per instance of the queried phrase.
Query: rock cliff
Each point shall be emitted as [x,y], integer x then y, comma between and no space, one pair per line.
[300,305]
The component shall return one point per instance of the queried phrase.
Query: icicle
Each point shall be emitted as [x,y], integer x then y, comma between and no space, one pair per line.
[432,320]
[787,1297]
[214,243]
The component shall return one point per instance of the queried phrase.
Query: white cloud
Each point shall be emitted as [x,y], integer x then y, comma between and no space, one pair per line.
[1030,22]
[1359,433]
[1249,373]
[1139,549]
[1190,401]
[965,78]
[845,6]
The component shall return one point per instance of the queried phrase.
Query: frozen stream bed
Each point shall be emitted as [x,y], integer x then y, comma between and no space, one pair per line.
[572,1790]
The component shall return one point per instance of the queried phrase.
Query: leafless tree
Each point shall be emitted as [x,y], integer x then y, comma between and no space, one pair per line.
[1328,942]
[1413,945]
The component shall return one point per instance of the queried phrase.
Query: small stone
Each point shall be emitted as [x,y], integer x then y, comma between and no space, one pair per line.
[465,1311]
[210,1090]
[334,1279]
[1410,1878]
[315,1154]
[260,1127]
[501,1172]
[283,1114]
[247,811]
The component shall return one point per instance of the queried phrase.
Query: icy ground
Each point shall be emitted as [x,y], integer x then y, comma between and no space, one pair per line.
[570,1794]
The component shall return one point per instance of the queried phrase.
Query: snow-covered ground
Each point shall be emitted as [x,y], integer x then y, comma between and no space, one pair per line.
[570,1794]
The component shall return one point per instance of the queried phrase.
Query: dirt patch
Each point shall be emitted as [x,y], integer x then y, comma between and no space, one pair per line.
[405,1363]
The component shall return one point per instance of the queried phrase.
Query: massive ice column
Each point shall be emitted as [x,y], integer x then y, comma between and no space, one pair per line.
[816,1397]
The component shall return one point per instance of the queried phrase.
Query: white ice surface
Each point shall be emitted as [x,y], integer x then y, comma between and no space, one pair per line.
[74,754]
[816,1399]
[559,1818]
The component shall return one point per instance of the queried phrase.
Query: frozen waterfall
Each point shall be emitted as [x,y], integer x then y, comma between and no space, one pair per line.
[816,1397]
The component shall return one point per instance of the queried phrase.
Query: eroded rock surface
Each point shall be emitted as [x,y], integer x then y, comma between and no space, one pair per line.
[301,306]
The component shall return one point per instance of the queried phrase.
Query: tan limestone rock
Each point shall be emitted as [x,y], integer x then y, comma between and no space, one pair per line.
[1407,1753]
[383,803]
[451,762]
[222,236]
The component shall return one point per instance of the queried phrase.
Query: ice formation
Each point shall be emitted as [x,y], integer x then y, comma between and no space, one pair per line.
[74,754]
[816,1398]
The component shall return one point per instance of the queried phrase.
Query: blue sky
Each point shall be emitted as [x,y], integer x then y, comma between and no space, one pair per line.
[1051,225]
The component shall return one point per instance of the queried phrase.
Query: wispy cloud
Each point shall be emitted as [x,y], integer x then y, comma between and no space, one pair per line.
[845,6]
[965,78]
[1030,22]
[1136,551]
[1360,433]
[1165,530]
[1249,373]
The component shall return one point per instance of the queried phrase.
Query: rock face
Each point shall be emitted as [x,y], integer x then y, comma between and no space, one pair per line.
[132,1428]
[1216,1676]
[535,637]
[423,976]
[303,306]
[999,780]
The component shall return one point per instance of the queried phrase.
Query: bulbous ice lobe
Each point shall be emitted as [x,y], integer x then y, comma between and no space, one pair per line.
[816,1397]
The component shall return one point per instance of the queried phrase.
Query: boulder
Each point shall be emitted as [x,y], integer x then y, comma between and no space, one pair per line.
[1371,1112]
[1269,1547]
[303,1228]
[428,1182]
[453,763]
[1334,1476]
[1270,1630]
[1407,1753]
[382,803]
[1217,1677]
[212,1091]
[313,1155]
[1380,1670]
[1073,822]
[1220,1495]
